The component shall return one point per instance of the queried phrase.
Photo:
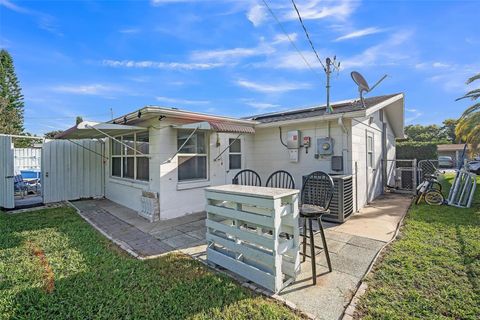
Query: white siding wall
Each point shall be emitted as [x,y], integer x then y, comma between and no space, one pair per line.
[181,198]
[176,198]
[359,132]
[27,158]
[268,154]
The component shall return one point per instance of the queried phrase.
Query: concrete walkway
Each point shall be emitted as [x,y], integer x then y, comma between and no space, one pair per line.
[353,246]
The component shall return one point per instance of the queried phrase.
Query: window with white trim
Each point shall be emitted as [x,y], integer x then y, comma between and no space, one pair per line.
[127,163]
[193,156]
[370,150]
[234,154]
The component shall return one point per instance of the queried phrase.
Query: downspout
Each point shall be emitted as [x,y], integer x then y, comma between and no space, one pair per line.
[345,131]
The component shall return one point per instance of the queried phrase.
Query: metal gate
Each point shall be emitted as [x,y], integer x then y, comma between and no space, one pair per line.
[402,175]
[72,170]
[7,200]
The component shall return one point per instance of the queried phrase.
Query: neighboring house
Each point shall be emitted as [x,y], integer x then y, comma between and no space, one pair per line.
[452,150]
[178,153]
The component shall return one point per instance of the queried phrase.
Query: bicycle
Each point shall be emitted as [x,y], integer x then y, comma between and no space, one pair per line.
[430,190]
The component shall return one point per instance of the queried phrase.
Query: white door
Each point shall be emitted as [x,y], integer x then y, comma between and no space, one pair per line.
[234,157]
[370,166]
[7,199]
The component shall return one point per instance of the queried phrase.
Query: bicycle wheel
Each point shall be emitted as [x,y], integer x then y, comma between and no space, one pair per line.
[436,186]
[434,198]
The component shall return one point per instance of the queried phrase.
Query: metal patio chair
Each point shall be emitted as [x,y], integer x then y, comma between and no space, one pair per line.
[280,179]
[247,177]
[317,193]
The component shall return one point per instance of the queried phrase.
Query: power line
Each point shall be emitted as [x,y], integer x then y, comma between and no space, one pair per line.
[308,36]
[291,41]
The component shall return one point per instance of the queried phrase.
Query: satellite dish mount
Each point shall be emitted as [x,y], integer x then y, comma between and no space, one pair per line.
[363,86]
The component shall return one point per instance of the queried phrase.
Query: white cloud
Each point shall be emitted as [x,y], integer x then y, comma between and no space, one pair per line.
[44,21]
[129,30]
[281,38]
[262,105]
[360,33]
[182,101]
[412,114]
[272,88]
[89,89]
[257,15]
[389,52]
[440,65]
[160,65]
[231,55]
[320,9]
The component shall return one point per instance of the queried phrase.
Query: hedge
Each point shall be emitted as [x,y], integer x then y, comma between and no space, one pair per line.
[417,150]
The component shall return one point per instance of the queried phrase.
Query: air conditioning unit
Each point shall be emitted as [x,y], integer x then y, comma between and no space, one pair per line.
[341,207]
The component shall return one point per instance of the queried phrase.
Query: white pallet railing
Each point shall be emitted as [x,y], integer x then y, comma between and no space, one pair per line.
[247,230]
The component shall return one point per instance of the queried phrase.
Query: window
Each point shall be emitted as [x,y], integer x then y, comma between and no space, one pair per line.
[235,154]
[369,150]
[127,163]
[192,157]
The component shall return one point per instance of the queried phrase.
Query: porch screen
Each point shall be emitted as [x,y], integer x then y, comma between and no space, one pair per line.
[193,156]
[127,163]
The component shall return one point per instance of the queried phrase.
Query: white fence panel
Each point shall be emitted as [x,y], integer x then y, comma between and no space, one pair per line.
[27,158]
[6,173]
[72,171]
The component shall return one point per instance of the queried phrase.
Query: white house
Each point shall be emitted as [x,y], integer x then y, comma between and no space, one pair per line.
[166,156]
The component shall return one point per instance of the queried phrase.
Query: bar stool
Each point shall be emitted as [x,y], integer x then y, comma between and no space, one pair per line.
[317,193]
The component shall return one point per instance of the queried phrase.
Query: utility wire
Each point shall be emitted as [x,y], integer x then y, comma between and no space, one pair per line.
[291,41]
[308,36]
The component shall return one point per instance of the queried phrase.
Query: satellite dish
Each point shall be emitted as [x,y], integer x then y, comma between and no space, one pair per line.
[363,84]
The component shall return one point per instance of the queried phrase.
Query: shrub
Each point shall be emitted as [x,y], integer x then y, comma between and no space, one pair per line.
[417,150]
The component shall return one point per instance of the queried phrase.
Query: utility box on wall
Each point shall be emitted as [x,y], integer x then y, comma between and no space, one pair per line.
[293,139]
[325,146]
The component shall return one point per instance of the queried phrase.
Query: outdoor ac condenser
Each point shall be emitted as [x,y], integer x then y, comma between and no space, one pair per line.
[341,207]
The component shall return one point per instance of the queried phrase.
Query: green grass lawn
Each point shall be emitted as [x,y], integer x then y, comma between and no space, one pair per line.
[432,271]
[53,265]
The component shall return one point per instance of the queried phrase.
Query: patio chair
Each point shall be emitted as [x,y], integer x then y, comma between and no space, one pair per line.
[247,177]
[280,179]
[317,193]
[20,186]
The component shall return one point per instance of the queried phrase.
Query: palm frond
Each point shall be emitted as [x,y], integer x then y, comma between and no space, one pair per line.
[475,77]
[474,108]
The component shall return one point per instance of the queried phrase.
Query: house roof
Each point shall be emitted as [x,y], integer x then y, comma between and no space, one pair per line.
[341,107]
[157,111]
[451,147]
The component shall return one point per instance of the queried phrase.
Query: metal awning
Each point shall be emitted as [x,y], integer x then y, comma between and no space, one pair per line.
[217,127]
[96,130]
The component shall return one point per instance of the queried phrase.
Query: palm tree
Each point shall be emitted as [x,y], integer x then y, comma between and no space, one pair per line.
[468,127]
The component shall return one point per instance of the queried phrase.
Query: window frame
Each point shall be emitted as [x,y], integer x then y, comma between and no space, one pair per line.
[239,153]
[371,151]
[206,154]
[124,154]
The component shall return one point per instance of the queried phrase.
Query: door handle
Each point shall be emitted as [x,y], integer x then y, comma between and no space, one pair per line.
[9,177]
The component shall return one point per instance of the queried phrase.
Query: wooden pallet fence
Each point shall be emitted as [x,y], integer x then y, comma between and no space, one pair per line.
[253,231]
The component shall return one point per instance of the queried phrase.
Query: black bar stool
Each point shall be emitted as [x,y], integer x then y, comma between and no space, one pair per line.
[317,193]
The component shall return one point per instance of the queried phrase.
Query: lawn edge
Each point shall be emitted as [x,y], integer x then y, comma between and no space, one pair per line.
[349,312]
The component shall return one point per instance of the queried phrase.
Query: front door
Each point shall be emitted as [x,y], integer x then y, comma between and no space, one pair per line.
[7,199]
[234,159]
[370,165]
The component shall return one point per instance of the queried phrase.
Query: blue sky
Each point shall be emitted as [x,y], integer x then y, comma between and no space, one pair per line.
[231,57]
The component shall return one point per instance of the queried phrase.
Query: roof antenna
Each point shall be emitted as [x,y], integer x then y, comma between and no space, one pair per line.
[363,85]
[328,71]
